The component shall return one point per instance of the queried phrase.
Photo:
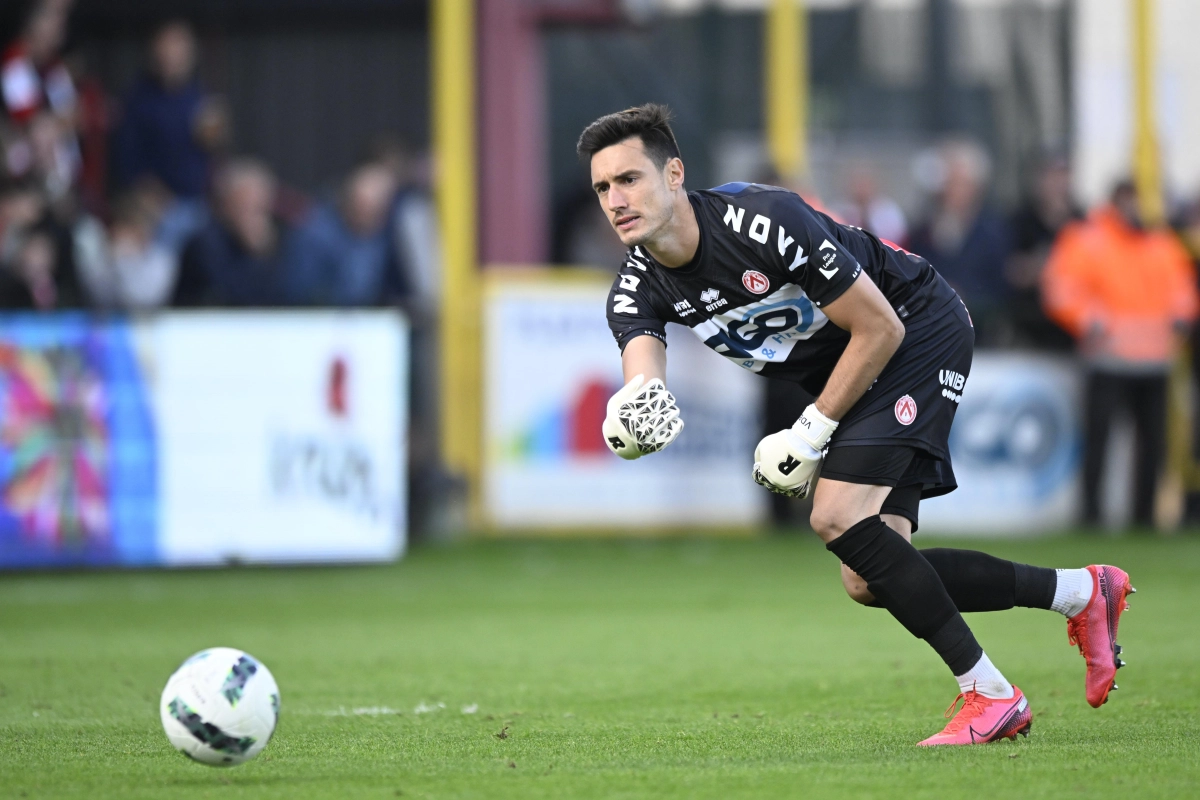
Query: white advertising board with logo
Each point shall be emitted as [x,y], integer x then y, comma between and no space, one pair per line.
[1015,447]
[282,436]
[550,366]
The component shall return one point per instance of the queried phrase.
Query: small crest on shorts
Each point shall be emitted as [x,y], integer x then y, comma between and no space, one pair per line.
[755,281]
[906,410]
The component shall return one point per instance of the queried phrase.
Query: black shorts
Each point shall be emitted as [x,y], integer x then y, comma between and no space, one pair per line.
[901,427]
[911,474]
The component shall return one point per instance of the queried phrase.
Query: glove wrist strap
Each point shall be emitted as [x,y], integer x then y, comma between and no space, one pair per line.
[814,427]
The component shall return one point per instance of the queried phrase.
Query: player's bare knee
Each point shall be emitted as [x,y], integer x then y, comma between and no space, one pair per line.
[829,523]
[823,525]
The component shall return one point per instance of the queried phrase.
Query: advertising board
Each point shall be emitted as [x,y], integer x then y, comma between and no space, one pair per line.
[550,366]
[202,438]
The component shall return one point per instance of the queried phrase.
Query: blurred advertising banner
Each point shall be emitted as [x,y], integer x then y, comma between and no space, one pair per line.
[202,438]
[550,365]
[1016,448]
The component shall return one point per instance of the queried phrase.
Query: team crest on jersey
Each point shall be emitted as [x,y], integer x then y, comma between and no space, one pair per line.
[755,281]
[906,410]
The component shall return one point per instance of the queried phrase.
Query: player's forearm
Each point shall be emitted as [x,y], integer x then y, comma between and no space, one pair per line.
[646,356]
[867,353]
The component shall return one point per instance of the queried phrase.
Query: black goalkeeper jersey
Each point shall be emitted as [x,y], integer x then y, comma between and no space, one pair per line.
[766,264]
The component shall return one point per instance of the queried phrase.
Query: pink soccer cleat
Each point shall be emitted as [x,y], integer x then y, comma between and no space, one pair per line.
[1094,630]
[984,719]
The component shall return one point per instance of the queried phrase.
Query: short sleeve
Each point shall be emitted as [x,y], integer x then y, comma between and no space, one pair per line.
[819,264]
[631,302]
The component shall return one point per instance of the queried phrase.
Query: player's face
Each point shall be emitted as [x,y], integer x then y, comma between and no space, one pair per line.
[636,195]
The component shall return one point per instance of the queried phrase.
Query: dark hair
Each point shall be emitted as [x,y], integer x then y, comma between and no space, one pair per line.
[649,122]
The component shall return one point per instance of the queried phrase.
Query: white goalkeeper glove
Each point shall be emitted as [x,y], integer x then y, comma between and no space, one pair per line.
[787,462]
[641,419]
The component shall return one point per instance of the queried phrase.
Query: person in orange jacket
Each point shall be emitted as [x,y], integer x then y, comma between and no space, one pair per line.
[1127,293]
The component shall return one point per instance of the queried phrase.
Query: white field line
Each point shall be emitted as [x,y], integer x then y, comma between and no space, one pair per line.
[383,711]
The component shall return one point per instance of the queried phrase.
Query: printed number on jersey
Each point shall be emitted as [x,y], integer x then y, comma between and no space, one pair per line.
[765,331]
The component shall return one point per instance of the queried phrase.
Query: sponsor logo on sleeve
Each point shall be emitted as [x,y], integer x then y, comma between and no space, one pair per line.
[828,258]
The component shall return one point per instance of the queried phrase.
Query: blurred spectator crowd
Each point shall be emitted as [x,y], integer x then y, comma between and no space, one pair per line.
[135,200]
[1119,292]
[1045,274]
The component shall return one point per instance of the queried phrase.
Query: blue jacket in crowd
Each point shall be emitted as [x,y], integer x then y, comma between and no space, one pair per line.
[217,270]
[328,264]
[976,268]
[157,138]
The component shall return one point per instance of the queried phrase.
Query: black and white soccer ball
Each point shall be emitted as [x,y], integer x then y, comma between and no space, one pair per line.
[220,707]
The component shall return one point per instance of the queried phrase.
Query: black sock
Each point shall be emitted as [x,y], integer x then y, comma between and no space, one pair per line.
[908,586]
[979,582]
[1035,586]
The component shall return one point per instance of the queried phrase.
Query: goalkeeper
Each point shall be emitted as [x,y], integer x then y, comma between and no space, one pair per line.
[883,343]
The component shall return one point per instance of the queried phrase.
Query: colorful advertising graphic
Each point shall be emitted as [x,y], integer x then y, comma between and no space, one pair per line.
[550,366]
[77,456]
[202,439]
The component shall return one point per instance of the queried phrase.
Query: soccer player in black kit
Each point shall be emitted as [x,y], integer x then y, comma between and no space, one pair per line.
[884,345]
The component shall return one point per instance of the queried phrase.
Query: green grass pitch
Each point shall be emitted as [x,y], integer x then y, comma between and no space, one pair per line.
[606,669]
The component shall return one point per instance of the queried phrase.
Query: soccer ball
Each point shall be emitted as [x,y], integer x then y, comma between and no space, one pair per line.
[220,707]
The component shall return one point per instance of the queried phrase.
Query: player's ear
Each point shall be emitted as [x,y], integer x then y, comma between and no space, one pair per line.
[674,173]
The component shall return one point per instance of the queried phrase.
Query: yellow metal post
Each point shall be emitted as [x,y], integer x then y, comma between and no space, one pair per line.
[453,45]
[1181,470]
[1146,166]
[786,86]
